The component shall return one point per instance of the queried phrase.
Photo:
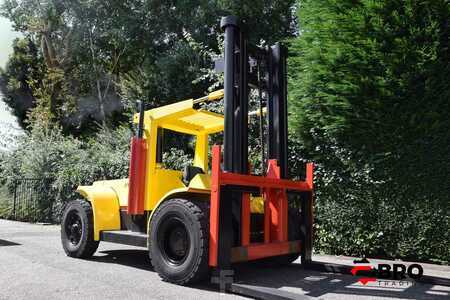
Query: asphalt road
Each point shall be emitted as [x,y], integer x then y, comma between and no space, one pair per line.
[34,266]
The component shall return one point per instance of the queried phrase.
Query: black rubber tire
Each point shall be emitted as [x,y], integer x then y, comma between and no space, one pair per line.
[86,246]
[194,215]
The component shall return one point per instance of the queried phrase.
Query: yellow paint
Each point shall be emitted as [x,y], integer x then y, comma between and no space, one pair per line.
[257,205]
[119,186]
[201,182]
[216,95]
[183,118]
[162,181]
[201,152]
[108,196]
[105,206]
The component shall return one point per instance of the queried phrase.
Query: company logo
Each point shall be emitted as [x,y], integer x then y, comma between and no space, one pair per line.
[399,272]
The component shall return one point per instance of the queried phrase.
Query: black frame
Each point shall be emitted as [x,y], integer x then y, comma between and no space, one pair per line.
[277,107]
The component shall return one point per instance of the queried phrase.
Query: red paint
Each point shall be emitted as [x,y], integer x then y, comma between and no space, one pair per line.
[365,280]
[245,220]
[278,205]
[257,251]
[310,175]
[356,269]
[245,216]
[273,189]
[214,206]
[136,185]
[263,182]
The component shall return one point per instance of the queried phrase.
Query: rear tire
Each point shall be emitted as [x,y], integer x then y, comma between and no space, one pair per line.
[77,230]
[179,241]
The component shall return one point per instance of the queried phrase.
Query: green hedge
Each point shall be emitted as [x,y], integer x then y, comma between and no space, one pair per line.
[358,213]
[369,101]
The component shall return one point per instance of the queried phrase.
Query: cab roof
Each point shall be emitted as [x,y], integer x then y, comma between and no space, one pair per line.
[183,117]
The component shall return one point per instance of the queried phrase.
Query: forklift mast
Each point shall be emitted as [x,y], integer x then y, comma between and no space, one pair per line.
[232,186]
[236,93]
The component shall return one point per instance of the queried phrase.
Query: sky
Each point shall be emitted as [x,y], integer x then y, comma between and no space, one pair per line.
[8,122]
[7,35]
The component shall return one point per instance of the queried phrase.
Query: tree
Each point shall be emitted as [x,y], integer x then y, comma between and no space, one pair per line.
[91,47]
[45,22]
[369,92]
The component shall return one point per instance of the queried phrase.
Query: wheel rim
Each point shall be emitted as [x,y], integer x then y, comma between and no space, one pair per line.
[73,227]
[173,240]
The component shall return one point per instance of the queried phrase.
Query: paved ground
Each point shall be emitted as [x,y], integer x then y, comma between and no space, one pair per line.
[34,266]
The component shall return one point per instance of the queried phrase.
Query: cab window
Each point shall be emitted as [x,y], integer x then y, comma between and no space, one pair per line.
[175,149]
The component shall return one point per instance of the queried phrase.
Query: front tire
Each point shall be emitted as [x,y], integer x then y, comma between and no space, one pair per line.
[77,230]
[179,241]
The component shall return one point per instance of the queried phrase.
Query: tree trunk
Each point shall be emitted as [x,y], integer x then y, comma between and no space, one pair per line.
[101,102]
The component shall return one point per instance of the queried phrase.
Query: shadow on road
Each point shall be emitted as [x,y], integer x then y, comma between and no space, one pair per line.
[294,280]
[130,257]
[8,243]
[137,259]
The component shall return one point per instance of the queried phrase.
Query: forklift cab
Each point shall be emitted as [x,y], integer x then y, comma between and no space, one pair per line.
[182,118]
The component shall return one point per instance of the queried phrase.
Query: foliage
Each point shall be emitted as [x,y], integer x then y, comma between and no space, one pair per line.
[176,159]
[66,162]
[99,57]
[5,200]
[369,101]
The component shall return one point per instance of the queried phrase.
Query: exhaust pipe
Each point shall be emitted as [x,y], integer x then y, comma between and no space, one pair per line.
[140,131]
[138,162]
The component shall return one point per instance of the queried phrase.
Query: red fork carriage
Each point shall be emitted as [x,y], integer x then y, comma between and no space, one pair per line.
[274,191]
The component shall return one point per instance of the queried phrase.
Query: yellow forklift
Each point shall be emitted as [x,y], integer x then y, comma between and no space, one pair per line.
[212,213]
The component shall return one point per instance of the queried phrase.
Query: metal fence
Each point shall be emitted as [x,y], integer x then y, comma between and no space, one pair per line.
[32,201]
